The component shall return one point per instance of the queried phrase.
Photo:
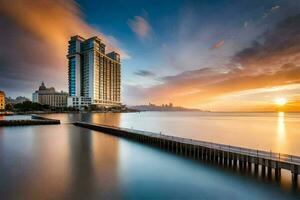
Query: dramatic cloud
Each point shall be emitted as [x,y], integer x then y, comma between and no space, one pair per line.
[272,60]
[274,48]
[144,73]
[34,41]
[140,26]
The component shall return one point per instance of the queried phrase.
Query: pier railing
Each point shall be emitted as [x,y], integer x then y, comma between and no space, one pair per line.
[291,159]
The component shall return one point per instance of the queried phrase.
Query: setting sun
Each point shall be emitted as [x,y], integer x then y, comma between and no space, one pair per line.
[280,101]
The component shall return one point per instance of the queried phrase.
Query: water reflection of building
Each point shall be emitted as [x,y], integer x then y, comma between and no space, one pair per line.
[94,164]
[2,100]
[110,119]
[48,96]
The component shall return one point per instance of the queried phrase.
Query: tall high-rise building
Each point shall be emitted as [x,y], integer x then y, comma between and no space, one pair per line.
[94,76]
[2,100]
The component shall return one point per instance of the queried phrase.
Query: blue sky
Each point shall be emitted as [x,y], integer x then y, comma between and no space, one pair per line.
[183,34]
[112,18]
[193,53]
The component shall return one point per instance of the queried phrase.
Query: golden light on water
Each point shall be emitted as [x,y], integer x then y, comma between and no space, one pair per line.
[281,132]
[280,101]
[281,126]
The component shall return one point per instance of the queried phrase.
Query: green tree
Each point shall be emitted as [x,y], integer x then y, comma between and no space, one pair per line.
[9,107]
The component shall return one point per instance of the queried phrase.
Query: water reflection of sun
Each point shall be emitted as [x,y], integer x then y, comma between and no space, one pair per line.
[281,132]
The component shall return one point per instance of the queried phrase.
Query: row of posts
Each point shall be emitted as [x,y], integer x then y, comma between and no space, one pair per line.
[235,160]
[213,155]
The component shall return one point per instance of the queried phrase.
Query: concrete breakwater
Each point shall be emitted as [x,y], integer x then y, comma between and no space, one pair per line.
[35,120]
[237,157]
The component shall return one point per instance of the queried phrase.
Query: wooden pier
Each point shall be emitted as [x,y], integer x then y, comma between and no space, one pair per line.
[238,157]
[35,120]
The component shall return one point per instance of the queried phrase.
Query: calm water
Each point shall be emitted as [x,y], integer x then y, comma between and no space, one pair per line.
[15,117]
[68,162]
[278,132]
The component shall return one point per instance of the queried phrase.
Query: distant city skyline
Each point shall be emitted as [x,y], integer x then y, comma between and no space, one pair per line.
[227,55]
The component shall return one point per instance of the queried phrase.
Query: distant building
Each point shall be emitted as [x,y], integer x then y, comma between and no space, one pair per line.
[2,100]
[48,96]
[19,99]
[94,77]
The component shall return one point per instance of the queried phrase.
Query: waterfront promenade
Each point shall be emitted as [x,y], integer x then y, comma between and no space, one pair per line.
[237,157]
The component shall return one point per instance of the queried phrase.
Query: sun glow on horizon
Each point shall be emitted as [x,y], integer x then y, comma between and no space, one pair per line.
[280,101]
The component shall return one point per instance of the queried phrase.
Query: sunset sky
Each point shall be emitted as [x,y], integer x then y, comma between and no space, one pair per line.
[222,55]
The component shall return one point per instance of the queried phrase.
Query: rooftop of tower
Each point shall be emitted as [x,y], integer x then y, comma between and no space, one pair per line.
[113,55]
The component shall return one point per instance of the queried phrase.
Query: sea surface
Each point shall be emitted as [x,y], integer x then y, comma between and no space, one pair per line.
[15,117]
[68,162]
[276,132]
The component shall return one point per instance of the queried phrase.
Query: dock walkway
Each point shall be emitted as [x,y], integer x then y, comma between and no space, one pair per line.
[217,153]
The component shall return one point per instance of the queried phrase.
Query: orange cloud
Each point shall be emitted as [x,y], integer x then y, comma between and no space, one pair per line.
[273,62]
[51,21]
[212,86]
[36,35]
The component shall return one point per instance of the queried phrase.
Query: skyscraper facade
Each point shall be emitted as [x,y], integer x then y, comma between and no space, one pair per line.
[94,76]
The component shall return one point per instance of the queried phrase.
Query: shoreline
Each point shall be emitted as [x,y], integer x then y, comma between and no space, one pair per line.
[62,112]
[136,111]
[35,120]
